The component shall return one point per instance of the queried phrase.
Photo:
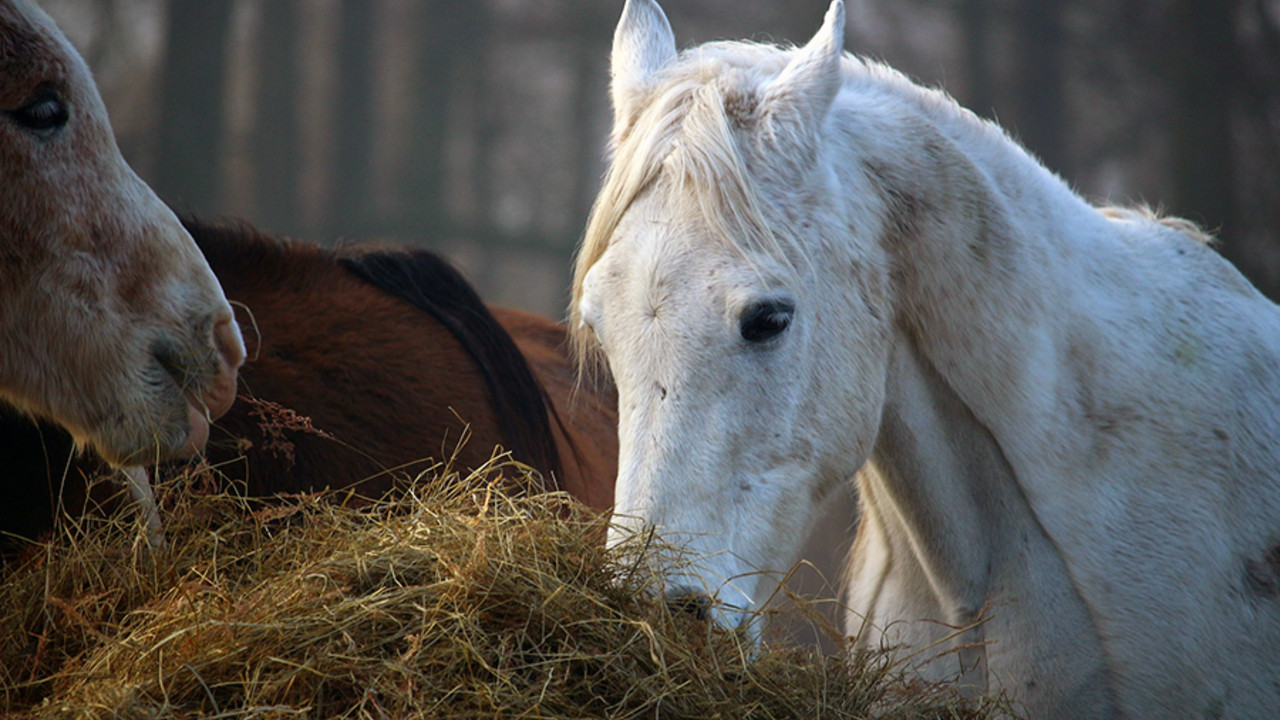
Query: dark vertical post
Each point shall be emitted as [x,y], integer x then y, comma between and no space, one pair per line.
[975,26]
[354,119]
[277,146]
[192,101]
[1041,105]
[1199,60]
[448,36]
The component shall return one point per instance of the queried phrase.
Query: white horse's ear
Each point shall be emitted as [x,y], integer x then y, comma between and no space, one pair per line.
[642,44]
[804,90]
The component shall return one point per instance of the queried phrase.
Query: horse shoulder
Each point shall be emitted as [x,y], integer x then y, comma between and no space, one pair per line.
[1164,490]
[585,421]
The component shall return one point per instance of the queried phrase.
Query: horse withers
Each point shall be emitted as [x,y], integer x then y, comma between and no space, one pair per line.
[111,323]
[802,267]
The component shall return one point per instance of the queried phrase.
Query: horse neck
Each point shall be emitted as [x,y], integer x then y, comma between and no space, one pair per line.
[933,485]
[948,533]
[253,266]
[987,253]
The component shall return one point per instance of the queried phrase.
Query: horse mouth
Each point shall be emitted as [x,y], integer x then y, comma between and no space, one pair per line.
[198,425]
[209,388]
[203,409]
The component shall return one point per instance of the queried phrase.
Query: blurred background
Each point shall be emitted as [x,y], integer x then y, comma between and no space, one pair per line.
[476,127]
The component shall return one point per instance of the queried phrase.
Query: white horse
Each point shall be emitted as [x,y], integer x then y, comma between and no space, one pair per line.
[111,322]
[801,265]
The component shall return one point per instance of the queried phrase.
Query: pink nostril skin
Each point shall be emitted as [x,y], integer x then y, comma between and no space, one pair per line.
[222,391]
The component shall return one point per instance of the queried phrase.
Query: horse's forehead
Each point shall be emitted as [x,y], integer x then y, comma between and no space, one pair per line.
[31,52]
[653,239]
[685,284]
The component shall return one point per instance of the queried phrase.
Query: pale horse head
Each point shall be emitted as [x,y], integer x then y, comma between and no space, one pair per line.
[111,322]
[722,284]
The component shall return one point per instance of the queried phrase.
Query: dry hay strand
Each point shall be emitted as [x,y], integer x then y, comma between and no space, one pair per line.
[453,600]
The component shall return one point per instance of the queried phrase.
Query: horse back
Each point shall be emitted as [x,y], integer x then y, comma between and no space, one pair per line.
[350,377]
[349,383]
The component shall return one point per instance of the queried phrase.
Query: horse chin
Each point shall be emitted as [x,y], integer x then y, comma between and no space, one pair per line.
[183,432]
[198,433]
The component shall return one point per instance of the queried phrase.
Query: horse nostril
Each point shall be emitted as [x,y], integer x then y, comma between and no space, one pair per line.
[688,600]
[226,337]
[219,391]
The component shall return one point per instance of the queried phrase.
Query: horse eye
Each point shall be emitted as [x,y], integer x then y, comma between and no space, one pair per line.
[765,320]
[46,112]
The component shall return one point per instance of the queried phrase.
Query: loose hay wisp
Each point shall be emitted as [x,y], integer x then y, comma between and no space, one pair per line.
[455,600]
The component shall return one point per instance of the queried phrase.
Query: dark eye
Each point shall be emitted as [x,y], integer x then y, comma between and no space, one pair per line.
[46,112]
[766,319]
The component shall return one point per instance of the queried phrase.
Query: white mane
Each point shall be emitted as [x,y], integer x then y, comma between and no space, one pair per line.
[694,131]
[1146,215]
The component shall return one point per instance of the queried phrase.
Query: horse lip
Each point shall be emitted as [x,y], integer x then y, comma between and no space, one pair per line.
[198,431]
[691,601]
[211,389]
[703,607]
[218,397]
[203,409]
[207,398]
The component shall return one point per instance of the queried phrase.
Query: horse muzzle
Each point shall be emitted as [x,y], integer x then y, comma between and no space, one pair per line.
[221,392]
[209,390]
[690,601]
[705,608]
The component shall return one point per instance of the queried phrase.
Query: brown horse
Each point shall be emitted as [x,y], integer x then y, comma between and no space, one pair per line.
[111,324]
[360,362]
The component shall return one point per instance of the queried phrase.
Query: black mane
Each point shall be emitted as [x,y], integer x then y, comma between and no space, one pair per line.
[429,283]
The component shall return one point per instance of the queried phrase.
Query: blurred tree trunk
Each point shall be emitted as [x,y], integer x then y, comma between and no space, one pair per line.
[277,147]
[104,16]
[449,34]
[1040,102]
[1198,62]
[1257,153]
[350,207]
[192,103]
[592,30]
[975,25]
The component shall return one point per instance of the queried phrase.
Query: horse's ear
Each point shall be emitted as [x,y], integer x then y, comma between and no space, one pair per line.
[804,90]
[642,44]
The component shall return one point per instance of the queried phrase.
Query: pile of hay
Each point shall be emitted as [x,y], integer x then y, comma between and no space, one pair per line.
[455,601]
